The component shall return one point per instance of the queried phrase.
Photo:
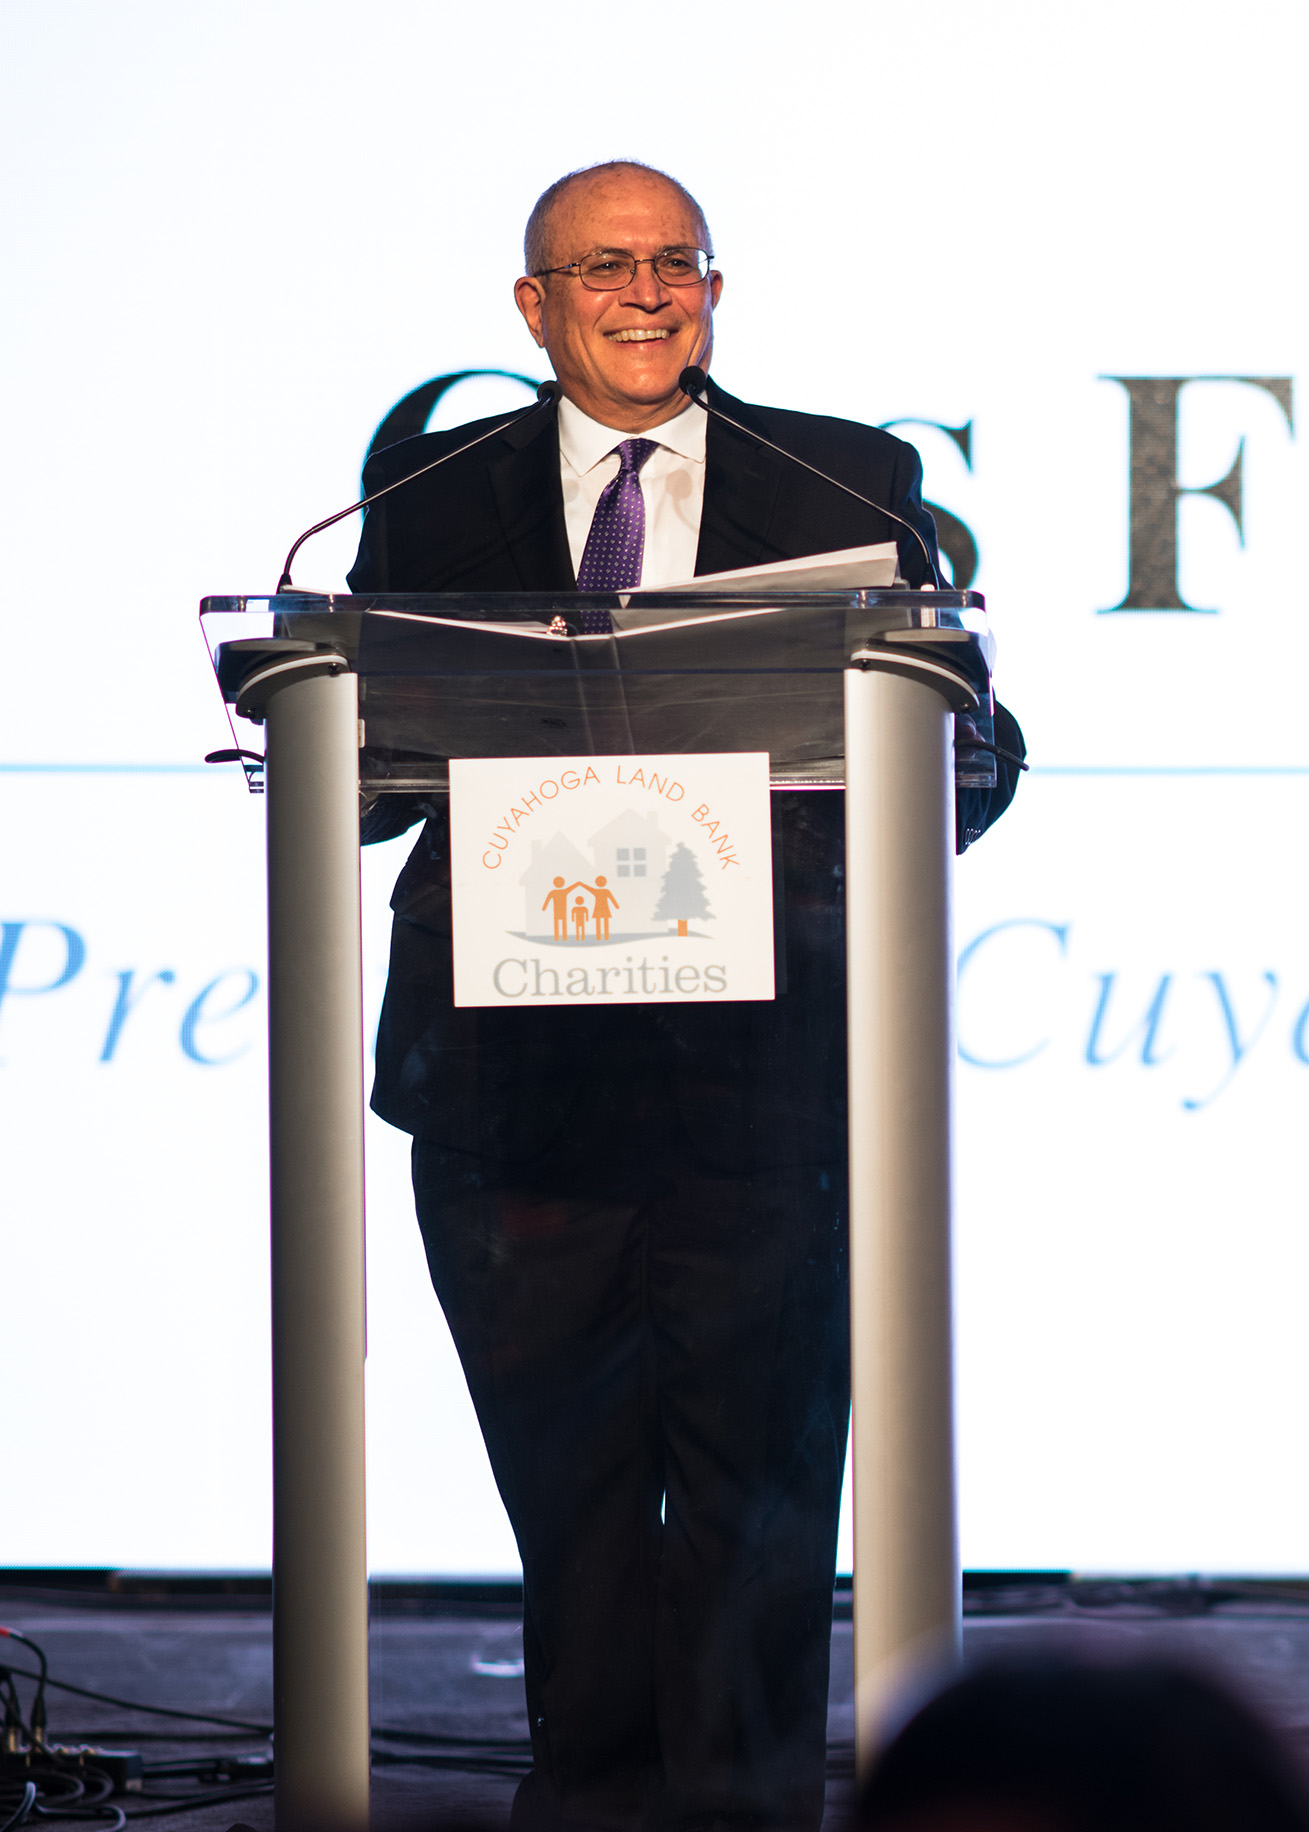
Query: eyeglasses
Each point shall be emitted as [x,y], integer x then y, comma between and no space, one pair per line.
[609,270]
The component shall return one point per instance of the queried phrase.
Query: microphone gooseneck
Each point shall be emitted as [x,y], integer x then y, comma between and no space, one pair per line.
[693,381]
[546,396]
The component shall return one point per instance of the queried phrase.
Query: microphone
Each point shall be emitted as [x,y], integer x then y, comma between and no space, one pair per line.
[693,381]
[546,395]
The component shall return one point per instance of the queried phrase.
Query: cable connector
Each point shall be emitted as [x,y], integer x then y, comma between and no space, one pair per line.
[123,1766]
[227,1770]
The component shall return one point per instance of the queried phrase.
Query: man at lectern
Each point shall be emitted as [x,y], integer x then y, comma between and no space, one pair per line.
[635,1216]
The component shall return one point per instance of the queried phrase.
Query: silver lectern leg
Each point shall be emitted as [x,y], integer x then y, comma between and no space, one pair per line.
[899,863]
[320,1582]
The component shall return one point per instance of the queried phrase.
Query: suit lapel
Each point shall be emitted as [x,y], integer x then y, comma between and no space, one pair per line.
[741,484]
[530,501]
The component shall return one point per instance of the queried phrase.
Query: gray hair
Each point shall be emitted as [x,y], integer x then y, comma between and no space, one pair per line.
[536,240]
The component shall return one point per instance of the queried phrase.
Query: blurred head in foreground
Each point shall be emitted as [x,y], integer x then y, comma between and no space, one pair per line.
[1061,1745]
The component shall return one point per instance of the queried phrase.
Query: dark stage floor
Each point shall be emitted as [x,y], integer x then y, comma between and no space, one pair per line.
[448,1668]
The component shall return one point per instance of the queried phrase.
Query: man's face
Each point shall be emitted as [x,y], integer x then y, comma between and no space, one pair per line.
[618,355]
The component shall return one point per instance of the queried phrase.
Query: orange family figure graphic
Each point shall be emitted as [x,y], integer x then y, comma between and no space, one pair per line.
[604,902]
[556,901]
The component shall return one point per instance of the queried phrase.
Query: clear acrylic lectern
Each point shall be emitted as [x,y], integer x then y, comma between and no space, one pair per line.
[882,693]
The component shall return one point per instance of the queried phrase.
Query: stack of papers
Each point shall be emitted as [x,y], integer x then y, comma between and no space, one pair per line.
[849,569]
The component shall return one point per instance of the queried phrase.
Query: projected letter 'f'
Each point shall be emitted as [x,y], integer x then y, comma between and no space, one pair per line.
[1153,489]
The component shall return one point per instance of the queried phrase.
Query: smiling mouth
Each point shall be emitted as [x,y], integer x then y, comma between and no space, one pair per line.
[651,335]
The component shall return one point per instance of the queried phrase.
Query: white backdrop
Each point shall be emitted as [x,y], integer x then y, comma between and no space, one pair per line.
[236,235]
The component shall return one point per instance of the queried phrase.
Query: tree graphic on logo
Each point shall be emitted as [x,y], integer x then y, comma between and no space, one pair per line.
[682,893]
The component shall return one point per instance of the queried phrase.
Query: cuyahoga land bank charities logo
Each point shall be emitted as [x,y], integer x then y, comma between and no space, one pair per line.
[615,880]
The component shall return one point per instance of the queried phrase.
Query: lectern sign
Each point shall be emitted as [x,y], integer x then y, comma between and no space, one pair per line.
[611,880]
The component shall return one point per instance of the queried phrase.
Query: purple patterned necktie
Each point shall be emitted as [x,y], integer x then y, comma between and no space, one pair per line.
[615,545]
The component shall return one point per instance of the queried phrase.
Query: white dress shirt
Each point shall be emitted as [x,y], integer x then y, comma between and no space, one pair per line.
[672,486]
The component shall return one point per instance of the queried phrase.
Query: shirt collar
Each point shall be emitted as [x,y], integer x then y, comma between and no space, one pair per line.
[583,442]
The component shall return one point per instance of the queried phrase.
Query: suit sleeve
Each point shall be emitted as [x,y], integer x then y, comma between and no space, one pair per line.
[371,570]
[977,809]
[381,817]
[907,500]
[385,817]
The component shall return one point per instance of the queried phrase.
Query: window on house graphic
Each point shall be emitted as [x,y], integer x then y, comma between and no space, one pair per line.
[631,861]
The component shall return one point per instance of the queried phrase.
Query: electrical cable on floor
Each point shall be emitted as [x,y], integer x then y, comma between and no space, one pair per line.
[388,1733]
[215,1797]
[22,1810]
[115,1815]
[127,1704]
[66,1782]
[38,1703]
[63,1781]
[103,1731]
[440,1737]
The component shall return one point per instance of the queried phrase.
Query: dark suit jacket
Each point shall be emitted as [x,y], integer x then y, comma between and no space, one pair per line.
[756,1083]
[494,521]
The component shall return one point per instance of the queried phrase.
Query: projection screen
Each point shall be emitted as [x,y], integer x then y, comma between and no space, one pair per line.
[1063,251]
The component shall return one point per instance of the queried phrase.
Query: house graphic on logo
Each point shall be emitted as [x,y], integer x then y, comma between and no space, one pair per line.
[632,853]
[629,856]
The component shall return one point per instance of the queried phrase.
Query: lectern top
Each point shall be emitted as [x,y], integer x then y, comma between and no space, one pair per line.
[450,674]
[529,605]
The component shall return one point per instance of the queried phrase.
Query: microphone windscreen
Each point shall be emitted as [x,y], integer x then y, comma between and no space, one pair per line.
[549,391]
[692,381]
